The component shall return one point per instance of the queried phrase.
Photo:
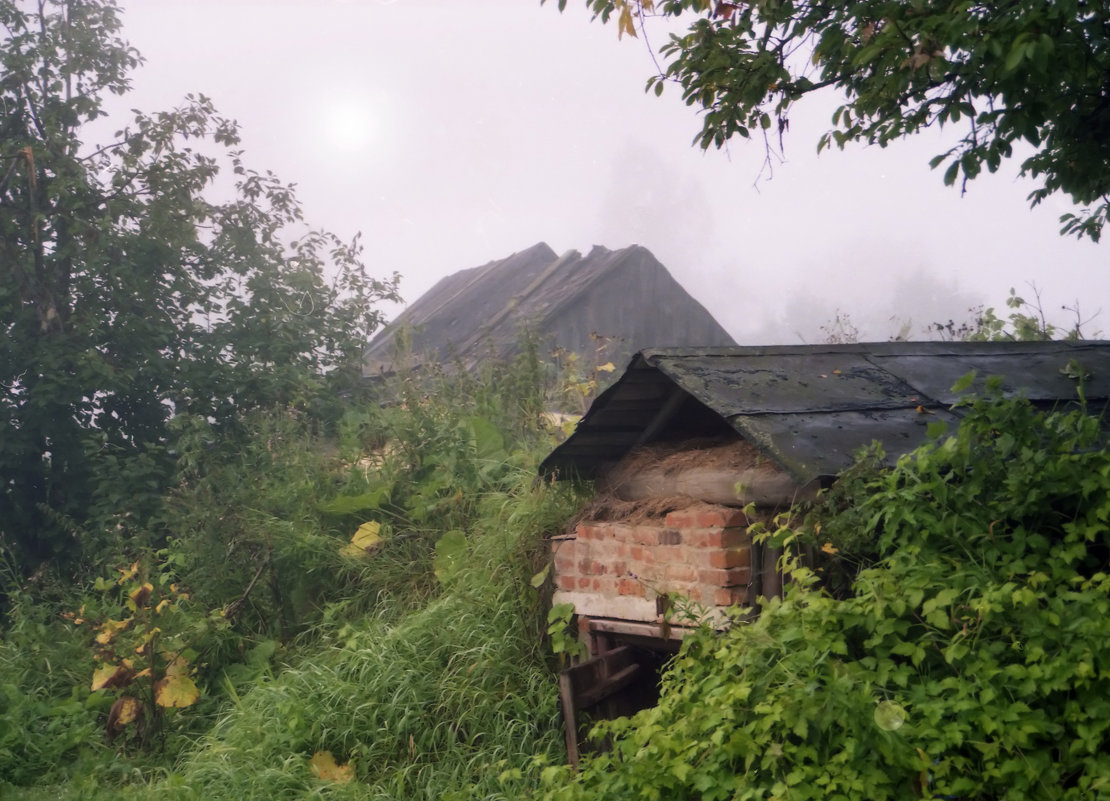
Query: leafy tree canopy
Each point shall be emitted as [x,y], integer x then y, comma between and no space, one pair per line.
[1033,73]
[129,297]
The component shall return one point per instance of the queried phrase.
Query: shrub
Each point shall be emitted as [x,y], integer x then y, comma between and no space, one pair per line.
[452,700]
[969,657]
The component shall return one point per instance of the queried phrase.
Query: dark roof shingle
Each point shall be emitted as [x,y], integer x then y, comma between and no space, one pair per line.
[811,408]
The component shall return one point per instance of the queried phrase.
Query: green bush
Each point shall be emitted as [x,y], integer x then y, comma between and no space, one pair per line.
[48,717]
[444,702]
[414,660]
[969,656]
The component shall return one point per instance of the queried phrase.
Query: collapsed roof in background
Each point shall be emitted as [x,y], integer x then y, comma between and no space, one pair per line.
[810,408]
[625,296]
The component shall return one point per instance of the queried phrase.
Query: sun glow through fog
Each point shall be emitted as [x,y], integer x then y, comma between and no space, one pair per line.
[349,125]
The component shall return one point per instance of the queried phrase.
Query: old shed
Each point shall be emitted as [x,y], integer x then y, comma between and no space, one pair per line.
[689,437]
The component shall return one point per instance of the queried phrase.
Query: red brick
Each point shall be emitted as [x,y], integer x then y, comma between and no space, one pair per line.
[723,517]
[680,572]
[644,535]
[628,586]
[680,519]
[731,577]
[585,583]
[598,567]
[565,561]
[602,550]
[670,554]
[585,531]
[623,533]
[730,557]
[685,589]
[730,597]
[670,536]
[566,582]
[715,537]
[639,553]
[609,550]
[604,585]
[566,548]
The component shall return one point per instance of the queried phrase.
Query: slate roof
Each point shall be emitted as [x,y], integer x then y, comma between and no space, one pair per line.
[626,296]
[810,408]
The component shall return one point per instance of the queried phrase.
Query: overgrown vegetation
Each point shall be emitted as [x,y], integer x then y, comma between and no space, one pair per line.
[356,614]
[966,657]
[223,578]
[228,568]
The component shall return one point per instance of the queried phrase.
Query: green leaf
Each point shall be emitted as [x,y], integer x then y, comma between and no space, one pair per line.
[355,504]
[964,383]
[487,439]
[450,553]
[936,429]
[889,716]
[951,173]
[540,577]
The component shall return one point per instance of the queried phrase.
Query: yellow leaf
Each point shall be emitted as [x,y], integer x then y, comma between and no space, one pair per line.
[127,711]
[175,691]
[150,635]
[176,664]
[161,606]
[141,593]
[108,676]
[124,711]
[608,367]
[128,574]
[324,767]
[829,548]
[625,24]
[364,540]
[110,628]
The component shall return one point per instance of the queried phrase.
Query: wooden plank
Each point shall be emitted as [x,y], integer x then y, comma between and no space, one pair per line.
[570,718]
[587,684]
[607,686]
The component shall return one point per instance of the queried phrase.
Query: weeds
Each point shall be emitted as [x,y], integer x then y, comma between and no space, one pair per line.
[412,664]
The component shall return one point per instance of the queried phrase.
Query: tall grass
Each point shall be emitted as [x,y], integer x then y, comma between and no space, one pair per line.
[453,700]
[421,668]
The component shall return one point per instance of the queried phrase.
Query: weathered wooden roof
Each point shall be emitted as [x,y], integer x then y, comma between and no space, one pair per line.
[624,296]
[811,408]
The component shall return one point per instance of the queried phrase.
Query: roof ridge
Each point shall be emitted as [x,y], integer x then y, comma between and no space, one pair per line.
[479,273]
[516,300]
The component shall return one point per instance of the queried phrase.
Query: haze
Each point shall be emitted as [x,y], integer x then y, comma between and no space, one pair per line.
[454,133]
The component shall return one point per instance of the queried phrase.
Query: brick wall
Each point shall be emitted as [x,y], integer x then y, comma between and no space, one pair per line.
[620,569]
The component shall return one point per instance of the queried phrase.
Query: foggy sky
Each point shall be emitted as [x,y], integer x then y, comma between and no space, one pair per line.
[454,133]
